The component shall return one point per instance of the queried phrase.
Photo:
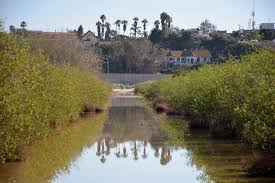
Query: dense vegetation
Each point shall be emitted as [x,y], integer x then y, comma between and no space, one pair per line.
[36,96]
[62,51]
[131,56]
[235,99]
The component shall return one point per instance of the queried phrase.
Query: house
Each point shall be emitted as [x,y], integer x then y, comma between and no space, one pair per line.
[88,40]
[188,57]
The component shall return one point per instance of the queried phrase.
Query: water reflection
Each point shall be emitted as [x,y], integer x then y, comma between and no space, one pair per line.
[134,145]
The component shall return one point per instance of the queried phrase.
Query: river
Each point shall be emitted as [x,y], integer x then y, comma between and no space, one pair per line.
[130,143]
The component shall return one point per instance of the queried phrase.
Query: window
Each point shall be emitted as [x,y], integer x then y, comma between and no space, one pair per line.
[192,60]
[198,59]
[178,59]
[171,59]
[205,59]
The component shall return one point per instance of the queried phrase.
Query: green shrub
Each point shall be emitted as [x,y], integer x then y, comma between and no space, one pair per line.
[36,96]
[233,99]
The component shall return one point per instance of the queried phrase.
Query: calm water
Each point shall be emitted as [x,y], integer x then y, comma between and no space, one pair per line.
[131,144]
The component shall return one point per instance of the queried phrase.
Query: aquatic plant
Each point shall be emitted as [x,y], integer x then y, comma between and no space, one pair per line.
[36,97]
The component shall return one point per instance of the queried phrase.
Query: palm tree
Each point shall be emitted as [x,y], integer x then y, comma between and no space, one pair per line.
[144,21]
[23,24]
[124,22]
[169,21]
[103,18]
[135,27]
[156,23]
[117,23]
[98,24]
[108,31]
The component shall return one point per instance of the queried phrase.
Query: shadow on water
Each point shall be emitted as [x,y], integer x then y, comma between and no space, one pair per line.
[133,145]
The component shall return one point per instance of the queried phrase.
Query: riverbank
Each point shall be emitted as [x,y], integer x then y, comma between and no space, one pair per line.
[37,97]
[233,100]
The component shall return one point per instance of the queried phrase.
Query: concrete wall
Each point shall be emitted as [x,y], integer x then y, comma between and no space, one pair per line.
[131,79]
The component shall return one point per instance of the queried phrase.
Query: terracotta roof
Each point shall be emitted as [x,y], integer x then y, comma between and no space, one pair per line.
[175,53]
[201,53]
[184,53]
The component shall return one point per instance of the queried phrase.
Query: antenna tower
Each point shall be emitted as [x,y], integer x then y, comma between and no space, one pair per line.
[253,16]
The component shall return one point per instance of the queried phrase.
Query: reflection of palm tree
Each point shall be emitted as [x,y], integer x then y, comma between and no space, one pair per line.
[135,151]
[169,156]
[144,155]
[124,152]
[108,146]
[118,153]
[98,152]
[102,159]
[103,148]
[156,154]
[165,156]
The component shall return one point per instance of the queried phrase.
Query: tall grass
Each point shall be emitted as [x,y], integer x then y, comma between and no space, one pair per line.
[234,99]
[36,96]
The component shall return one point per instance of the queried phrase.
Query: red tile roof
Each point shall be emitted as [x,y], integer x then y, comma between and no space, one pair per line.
[195,53]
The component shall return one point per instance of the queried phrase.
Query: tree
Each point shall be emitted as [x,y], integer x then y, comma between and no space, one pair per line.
[169,21]
[117,23]
[108,31]
[135,27]
[156,23]
[254,35]
[131,56]
[155,36]
[79,31]
[12,29]
[163,18]
[207,27]
[144,21]
[98,24]
[267,34]
[103,18]
[166,21]
[124,22]
[23,24]
[1,26]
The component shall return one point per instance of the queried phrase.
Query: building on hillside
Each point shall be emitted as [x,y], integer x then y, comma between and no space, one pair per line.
[52,35]
[269,26]
[222,32]
[188,58]
[88,40]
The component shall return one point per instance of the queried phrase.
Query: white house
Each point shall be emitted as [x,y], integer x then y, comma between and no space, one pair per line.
[188,57]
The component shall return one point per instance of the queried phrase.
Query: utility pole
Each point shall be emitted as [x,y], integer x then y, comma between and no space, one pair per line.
[253,16]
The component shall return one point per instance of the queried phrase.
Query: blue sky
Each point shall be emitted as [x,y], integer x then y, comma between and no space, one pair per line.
[51,15]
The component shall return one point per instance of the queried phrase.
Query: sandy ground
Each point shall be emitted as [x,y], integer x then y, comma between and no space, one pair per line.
[124,92]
